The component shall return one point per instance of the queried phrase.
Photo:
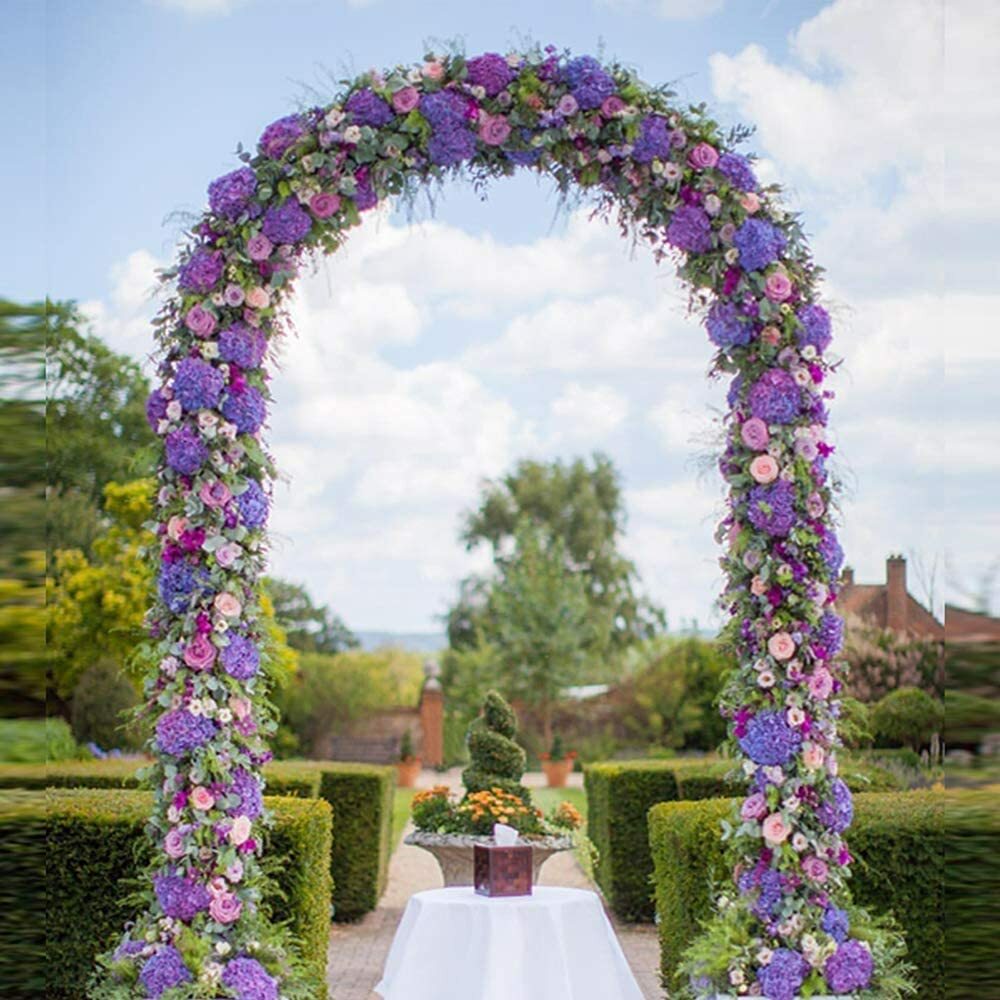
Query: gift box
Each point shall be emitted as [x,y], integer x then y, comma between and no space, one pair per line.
[502,871]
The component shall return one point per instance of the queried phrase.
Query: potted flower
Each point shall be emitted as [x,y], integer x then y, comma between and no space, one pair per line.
[450,827]
[408,767]
[557,763]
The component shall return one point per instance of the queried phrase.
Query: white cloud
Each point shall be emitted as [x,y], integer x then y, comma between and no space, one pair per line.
[669,10]
[202,8]
[587,415]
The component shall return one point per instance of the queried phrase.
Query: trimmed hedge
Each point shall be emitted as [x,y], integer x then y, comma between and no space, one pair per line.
[95,847]
[360,795]
[898,840]
[621,793]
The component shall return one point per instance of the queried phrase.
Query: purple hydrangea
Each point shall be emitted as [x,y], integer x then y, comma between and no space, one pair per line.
[690,229]
[242,345]
[246,408]
[367,108]
[588,81]
[253,505]
[179,732]
[769,739]
[288,222]
[524,157]
[772,508]
[489,71]
[127,949]
[836,923]
[837,813]
[760,243]
[280,136]
[163,971]
[177,582]
[727,326]
[450,146]
[247,787]
[783,976]
[768,883]
[179,897]
[240,658]
[832,554]
[849,968]
[775,397]
[737,170]
[815,329]
[364,195]
[156,408]
[249,980]
[201,271]
[230,194]
[444,108]
[198,384]
[186,452]
[653,141]
[830,633]
[734,391]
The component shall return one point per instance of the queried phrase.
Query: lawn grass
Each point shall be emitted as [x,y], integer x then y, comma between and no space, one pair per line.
[401,813]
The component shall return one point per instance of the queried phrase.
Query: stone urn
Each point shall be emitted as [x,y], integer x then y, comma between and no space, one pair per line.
[453,852]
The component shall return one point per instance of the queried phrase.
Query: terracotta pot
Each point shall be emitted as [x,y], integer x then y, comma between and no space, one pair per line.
[557,771]
[407,772]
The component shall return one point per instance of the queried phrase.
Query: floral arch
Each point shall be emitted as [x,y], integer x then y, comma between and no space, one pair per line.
[785,924]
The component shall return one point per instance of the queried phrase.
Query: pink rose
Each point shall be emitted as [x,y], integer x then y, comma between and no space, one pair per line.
[173,843]
[215,494]
[324,204]
[225,908]
[199,654]
[795,716]
[235,871]
[778,286]
[240,707]
[750,203]
[775,829]
[815,505]
[240,831]
[754,434]
[567,105]
[758,587]
[228,604]
[202,798]
[405,100]
[259,247]
[821,683]
[258,298]
[233,296]
[806,448]
[612,106]
[703,156]
[771,335]
[815,869]
[813,756]
[764,469]
[227,554]
[781,646]
[176,527]
[754,807]
[433,70]
[200,321]
[494,130]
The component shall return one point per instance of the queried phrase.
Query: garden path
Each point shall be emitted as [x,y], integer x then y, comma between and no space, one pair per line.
[358,951]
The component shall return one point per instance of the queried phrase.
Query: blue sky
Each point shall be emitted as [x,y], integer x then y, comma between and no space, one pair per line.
[433,355]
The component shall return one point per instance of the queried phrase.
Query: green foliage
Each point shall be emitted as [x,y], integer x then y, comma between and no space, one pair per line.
[406,746]
[882,660]
[329,692]
[310,628]
[908,717]
[22,632]
[466,675]
[579,505]
[31,741]
[101,700]
[496,761]
[969,717]
[855,723]
[96,839]
[897,839]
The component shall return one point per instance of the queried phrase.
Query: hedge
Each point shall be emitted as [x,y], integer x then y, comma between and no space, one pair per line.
[621,793]
[92,845]
[898,840]
[360,795]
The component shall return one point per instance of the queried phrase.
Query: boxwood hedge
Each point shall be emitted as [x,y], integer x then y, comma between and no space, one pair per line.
[898,840]
[621,793]
[93,845]
[360,795]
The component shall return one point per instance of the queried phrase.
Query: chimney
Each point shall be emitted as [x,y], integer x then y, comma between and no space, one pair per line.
[847,578]
[896,596]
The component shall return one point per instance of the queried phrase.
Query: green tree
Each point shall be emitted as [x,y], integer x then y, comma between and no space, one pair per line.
[908,717]
[540,622]
[580,505]
[310,628]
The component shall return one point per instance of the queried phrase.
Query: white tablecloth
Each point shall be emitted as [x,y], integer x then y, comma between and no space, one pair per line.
[556,944]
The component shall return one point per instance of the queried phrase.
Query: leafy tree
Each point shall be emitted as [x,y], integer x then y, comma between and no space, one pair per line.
[22,634]
[882,660]
[581,507]
[101,700]
[540,622]
[309,628]
[908,717]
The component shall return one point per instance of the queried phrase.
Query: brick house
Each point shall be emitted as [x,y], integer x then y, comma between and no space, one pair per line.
[888,605]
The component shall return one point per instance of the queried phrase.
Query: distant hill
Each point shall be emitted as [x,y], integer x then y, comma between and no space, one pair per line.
[416,642]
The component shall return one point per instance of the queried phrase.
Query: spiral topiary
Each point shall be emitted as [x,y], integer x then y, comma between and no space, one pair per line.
[496,761]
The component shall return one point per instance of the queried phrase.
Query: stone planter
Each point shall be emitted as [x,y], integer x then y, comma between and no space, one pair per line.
[453,852]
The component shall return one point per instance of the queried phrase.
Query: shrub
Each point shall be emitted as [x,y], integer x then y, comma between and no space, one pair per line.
[908,717]
[95,839]
[621,793]
[496,761]
[101,697]
[898,840]
[33,741]
[969,717]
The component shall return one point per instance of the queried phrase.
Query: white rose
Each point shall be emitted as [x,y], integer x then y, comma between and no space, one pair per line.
[736,976]
[333,117]
[225,716]
[210,349]
[799,842]
[194,706]
[352,134]
[732,255]
[174,410]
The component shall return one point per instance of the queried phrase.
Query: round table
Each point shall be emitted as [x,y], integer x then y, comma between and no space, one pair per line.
[555,944]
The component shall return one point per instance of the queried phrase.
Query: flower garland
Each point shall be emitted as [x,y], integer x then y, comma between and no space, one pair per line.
[677,185]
